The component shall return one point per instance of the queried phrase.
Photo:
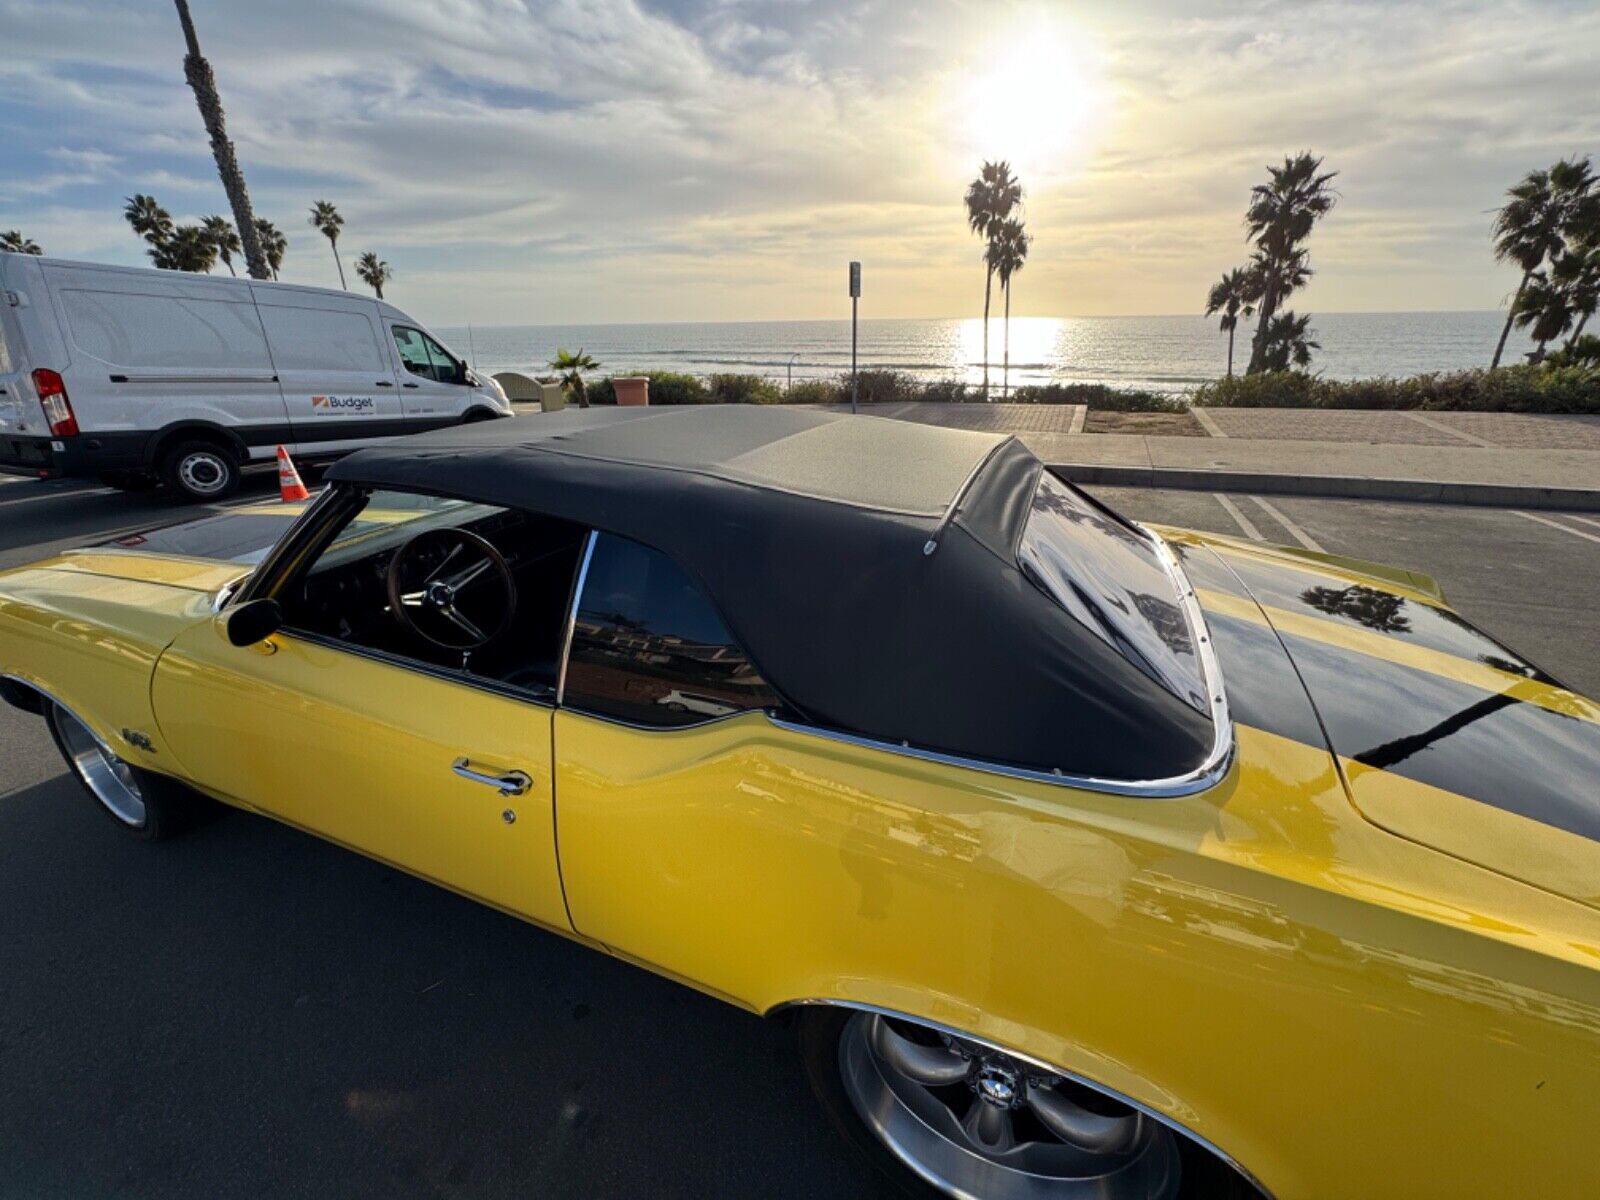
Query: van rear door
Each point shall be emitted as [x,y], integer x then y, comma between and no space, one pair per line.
[339,386]
[14,390]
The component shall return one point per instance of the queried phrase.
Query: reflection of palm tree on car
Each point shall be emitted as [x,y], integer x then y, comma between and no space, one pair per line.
[1382,611]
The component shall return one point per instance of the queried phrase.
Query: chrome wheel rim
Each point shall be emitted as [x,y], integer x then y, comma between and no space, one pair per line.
[203,472]
[979,1124]
[103,773]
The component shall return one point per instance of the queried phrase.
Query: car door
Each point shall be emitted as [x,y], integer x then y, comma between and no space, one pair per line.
[426,767]
[338,383]
[433,382]
[669,811]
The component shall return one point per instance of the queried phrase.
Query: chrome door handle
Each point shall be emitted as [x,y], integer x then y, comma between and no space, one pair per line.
[511,783]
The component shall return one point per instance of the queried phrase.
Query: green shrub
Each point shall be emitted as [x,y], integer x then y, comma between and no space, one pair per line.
[883,387]
[599,391]
[816,391]
[1097,395]
[1278,389]
[949,391]
[743,389]
[674,387]
[1543,389]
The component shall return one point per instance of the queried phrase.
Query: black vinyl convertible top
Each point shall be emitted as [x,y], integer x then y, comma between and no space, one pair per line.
[811,531]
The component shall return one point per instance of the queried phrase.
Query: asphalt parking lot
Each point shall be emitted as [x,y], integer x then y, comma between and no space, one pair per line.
[247,1011]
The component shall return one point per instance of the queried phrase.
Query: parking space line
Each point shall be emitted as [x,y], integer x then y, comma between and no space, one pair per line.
[1298,534]
[1591,537]
[56,495]
[1239,519]
[1585,520]
[1207,423]
[1441,427]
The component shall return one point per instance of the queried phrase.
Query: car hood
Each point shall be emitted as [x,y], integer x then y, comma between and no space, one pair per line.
[1443,735]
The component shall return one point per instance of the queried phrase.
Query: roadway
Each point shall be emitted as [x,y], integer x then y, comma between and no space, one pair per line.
[247,1011]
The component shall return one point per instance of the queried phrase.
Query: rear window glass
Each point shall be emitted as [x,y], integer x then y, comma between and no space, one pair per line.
[1109,578]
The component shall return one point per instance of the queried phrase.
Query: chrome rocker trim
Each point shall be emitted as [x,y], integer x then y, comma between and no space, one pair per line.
[1110,1093]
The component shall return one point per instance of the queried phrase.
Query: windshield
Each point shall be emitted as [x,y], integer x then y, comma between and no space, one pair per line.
[1109,577]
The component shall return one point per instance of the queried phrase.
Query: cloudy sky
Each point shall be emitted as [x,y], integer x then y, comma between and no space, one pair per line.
[619,160]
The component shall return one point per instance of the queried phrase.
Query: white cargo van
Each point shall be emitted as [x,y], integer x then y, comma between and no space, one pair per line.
[137,376]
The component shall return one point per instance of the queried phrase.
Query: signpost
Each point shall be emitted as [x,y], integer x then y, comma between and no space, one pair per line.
[855,299]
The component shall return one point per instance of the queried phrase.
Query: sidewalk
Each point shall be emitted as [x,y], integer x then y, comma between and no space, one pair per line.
[1519,460]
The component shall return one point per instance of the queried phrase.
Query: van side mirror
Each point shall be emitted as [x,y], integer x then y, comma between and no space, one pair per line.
[253,622]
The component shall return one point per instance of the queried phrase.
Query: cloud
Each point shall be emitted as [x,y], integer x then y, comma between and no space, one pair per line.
[615,159]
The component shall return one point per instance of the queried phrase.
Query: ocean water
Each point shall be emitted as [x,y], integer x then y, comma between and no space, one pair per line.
[1165,354]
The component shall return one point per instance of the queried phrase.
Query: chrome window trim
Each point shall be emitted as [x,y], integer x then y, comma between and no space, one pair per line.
[225,593]
[572,615]
[1112,1093]
[1211,771]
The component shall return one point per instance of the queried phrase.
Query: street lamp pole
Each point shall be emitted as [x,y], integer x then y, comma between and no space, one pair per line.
[855,300]
[789,387]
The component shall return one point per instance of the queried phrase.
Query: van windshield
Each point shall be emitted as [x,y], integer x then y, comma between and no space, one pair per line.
[1109,578]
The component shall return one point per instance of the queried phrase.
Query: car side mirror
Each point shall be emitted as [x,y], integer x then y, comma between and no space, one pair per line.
[253,622]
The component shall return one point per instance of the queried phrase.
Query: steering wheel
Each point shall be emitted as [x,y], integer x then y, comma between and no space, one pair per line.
[452,588]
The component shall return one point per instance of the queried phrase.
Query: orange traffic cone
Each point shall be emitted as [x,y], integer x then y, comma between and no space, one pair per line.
[289,485]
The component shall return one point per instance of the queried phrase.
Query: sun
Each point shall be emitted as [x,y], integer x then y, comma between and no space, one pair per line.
[1035,100]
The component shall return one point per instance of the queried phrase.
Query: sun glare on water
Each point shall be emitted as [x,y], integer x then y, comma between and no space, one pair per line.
[1034,102]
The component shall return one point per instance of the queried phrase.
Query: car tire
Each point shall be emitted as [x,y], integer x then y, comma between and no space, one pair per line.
[143,804]
[200,471]
[474,415]
[821,1030]
[130,481]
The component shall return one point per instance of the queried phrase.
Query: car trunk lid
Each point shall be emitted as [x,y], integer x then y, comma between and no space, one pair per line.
[1444,735]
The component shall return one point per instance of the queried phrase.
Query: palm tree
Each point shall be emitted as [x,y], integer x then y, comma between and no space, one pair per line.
[1006,255]
[1533,226]
[1234,295]
[1288,342]
[273,244]
[1282,213]
[1577,273]
[571,368]
[374,272]
[225,238]
[198,72]
[989,200]
[1544,309]
[149,220]
[13,241]
[189,248]
[325,219]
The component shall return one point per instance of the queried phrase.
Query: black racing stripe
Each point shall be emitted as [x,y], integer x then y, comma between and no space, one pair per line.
[1262,686]
[1514,756]
[1379,611]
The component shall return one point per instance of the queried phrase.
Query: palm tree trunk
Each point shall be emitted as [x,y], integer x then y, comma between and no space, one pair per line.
[1578,332]
[1005,375]
[228,262]
[988,284]
[1230,350]
[334,243]
[1505,331]
[198,72]
[1258,343]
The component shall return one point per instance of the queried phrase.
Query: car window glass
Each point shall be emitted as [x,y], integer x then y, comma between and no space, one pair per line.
[649,648]
[344,597]
[413,349]
[445,367]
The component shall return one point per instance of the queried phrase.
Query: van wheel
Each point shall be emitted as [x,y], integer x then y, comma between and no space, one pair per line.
[130,481]
[474,415]
[200,470]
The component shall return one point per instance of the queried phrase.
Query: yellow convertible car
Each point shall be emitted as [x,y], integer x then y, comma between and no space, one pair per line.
[1088,860]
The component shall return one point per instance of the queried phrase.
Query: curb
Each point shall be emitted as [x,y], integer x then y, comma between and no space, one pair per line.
[1350,487]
